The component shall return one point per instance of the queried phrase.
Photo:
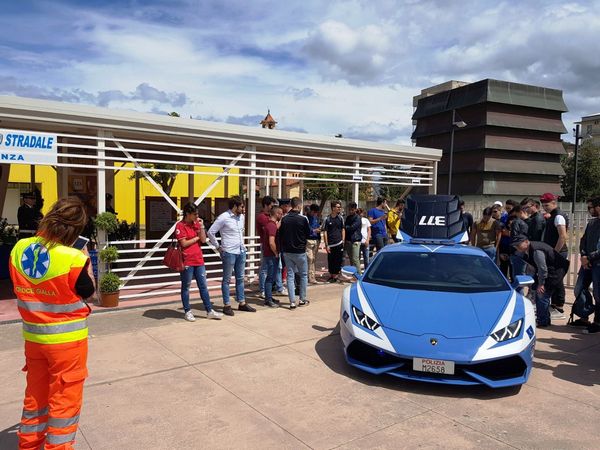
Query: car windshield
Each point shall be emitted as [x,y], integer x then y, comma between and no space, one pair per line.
[429,271]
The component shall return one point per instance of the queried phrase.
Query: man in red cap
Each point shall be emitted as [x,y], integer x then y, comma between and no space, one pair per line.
[555,235]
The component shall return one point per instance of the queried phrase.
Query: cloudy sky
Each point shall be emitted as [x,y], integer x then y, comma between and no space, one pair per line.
[325,67]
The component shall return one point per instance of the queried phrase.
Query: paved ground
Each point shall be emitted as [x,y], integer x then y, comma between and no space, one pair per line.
[277,379]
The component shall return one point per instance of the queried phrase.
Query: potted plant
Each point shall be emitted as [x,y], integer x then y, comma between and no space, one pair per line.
[8,238]
[110,283]
[106,221]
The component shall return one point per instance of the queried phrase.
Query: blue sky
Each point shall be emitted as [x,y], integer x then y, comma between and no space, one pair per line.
[349,67]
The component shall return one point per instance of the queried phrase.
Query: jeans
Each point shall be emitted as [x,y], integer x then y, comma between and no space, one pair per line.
[262,275]
[262,272]
[353,251]
[379,242]
[312,249]
[296,263]
[364,249]
[585,278]
[335,258]
[271,264]
[233,263]
[542,307]
[491,252]
[187,275]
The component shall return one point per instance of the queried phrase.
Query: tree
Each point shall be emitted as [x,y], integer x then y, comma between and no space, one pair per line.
[166,180]
[588,172]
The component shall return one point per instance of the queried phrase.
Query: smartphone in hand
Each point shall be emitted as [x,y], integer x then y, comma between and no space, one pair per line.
[81,242]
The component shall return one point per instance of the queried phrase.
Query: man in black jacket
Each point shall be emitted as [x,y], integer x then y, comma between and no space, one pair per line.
[548,267]
[535,222]
[293,234]
[28,216]
[518,227]
[555,235]
[589,249]
[352,225]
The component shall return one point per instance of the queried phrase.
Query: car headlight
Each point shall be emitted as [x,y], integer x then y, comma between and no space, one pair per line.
[509,332]
[363,320]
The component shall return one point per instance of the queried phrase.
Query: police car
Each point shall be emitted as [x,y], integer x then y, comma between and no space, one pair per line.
[433,309]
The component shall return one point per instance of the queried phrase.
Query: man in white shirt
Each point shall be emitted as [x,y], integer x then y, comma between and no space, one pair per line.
[230,225]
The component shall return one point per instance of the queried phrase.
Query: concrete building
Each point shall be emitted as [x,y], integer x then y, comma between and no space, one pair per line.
[507,137]
[590,128]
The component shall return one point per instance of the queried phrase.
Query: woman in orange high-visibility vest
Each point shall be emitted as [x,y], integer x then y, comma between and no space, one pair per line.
[51,279]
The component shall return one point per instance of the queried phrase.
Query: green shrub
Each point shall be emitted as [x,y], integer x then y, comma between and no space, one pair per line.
[109,255]
[109,283]
[106,221]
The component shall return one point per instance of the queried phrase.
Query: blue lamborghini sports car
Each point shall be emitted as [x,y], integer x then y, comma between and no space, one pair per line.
[435,310]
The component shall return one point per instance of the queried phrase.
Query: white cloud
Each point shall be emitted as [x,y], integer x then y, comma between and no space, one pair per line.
[347,67]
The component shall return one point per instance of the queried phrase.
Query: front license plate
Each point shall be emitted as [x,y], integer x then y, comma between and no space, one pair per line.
[433,366]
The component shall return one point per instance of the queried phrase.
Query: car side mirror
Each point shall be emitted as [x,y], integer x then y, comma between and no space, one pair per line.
[522,281]
[350,271]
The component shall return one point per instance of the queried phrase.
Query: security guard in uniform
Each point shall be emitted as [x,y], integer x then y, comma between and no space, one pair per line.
[51,279]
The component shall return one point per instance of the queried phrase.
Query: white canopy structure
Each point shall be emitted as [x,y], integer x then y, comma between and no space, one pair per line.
[108,141]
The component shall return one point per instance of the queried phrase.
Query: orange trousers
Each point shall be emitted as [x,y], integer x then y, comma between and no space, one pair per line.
[53,396]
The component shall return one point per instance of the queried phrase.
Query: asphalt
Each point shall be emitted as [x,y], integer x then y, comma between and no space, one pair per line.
[277,379]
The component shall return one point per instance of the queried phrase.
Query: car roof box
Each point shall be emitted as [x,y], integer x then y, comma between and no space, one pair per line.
[433,219]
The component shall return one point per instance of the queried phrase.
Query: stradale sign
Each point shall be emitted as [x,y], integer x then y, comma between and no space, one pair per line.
[26,147]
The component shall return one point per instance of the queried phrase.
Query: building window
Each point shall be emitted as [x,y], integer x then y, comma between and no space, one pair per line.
[589,129]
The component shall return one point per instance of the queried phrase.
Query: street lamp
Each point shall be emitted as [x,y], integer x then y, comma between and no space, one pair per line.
[455,124]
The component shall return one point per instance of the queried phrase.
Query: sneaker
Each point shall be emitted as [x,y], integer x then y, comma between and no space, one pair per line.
[261,295]
[292,306]
[539,325]
[271,304]
[303,303]
[592,328]
[212,314]
[246,307]
[332,280]
[275,301]
[283,293]
[313,281]
[580,323]
[560,309]
[189,316]
[228,310]
[556,314]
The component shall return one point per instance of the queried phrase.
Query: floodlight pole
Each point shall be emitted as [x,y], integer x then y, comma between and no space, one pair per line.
[576,161]
[451,152]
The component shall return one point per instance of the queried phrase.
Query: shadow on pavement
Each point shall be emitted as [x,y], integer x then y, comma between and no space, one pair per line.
[162,313]
[330,350]
[9,438]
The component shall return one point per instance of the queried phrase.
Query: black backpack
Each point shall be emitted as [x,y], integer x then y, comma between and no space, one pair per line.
[583,306]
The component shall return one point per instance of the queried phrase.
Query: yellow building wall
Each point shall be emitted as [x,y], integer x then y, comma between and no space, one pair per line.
[44,175]
[124,201]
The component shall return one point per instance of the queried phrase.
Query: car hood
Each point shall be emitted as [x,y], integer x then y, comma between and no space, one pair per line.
[450,314]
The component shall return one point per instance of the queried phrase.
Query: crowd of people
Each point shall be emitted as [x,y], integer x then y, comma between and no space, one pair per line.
[290,236]
[530,238]
[524,238]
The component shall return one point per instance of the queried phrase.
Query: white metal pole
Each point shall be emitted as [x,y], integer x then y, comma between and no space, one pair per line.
[252,205]
[101,172]
[357,177]
[279,185]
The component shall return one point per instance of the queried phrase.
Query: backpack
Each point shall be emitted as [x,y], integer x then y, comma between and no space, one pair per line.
[583,306]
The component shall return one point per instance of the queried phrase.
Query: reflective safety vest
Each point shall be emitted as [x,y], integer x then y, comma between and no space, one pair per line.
[44,282]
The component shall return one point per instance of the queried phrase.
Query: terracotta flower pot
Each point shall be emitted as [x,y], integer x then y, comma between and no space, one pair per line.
[109,299]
